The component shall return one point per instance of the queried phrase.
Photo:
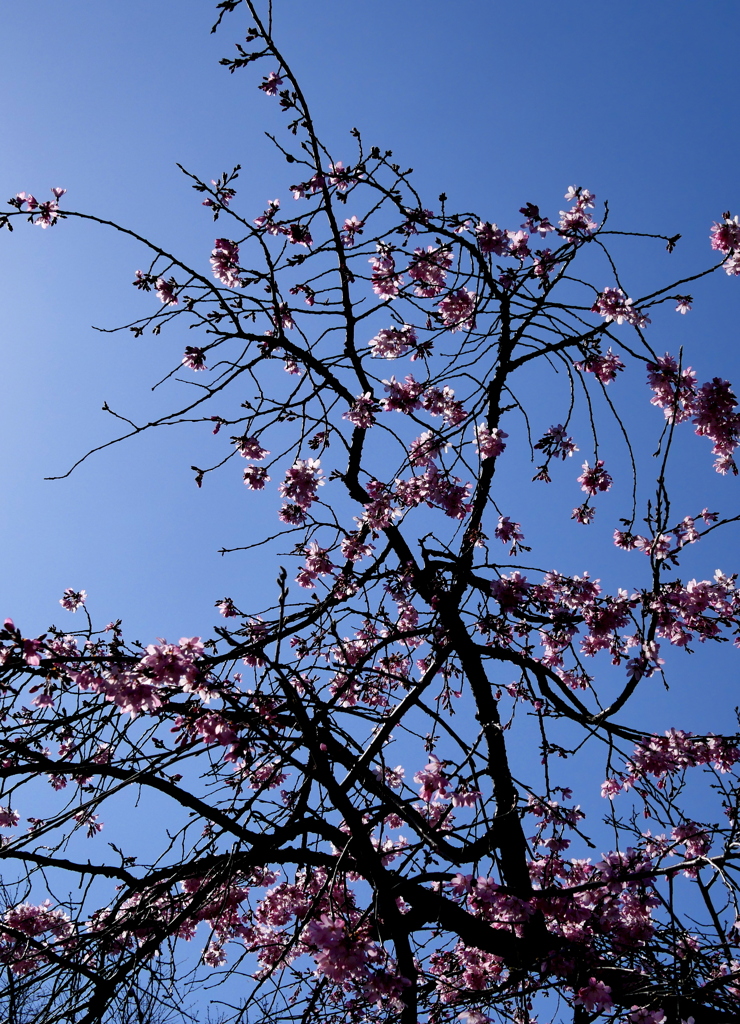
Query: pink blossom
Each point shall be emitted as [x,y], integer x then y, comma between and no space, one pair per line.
[426,448]
[556,443]
[683,303]
[642,1015]
[613,304]
[489,443]
[265,221]
[213,728]
[535,223]
[24,199]
[604,367]
[72,599]
[91,822]
[302,481]
[255,477]
[509,533]
[492,239]
[518,247]
[457,310]
[271,83]
[611,788]
[583,514]
[48,214]
[379,512]
[595,996]
[673,392]
[307,290]
[392,342]
[392,777]
[352,226]
[299,234]
[283,317]
[362,412]
[465,797]
[317,564]
[577,220]
[715,416]
[194,358]
[594,478]
[309,188]
[227,608]
[385,281]
[8,818]
[429,270]
[266,776]
[434,783]
[725,236]
[510,591]
[543,264]
[695,839]
[342,177]
[402,397]
[224,195]
[225,263]
[354,549]
[250,448]
[436,490]
[442,402]
[31,650]
[291,514]
[166,291]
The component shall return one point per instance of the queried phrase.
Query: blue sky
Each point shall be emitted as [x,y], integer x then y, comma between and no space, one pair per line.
[495,103]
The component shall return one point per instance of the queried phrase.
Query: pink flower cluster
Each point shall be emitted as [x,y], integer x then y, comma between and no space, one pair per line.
[393,342]
[604,367]
[250,448]
[712,407]
[437,490]
[48,210]
[509,533]
[614,305]
[429,270]
[556,443]
[165,290]
[72,599]
[489,443]
[266,220]
[492,239]
[725,238]
[594,478]
[194,358]
[408,395]
[35,922]
[225,263]
[271,83]
[350,229]
[301,482]
[462,971]
[317,564]
[577,221]
[362,412]
[457,310]
[386,282]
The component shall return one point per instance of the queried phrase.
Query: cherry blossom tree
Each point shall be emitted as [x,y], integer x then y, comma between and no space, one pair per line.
[363,803]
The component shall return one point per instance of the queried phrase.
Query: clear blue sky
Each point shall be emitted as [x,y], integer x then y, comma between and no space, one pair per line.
[496,103]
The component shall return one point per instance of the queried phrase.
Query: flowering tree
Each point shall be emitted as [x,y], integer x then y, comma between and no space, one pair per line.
[352,810]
